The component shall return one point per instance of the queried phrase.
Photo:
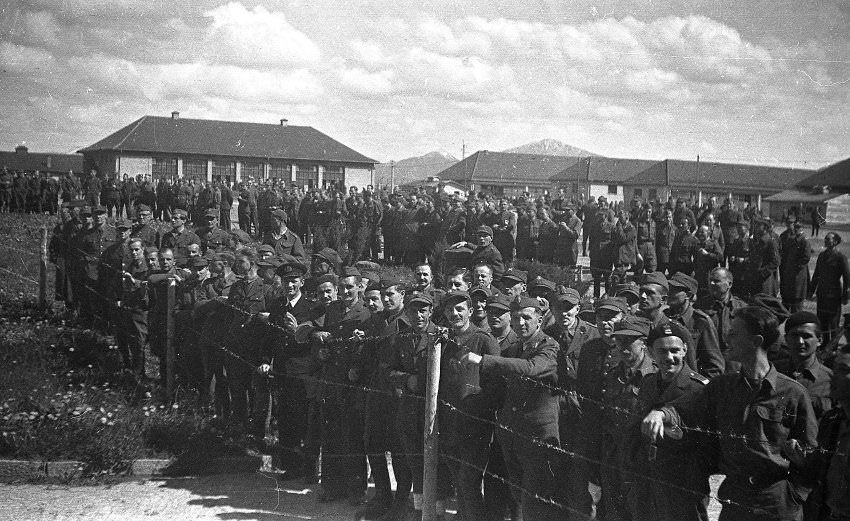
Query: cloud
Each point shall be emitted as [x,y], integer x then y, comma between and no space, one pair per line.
[256,37]
[367,83]
[20,59]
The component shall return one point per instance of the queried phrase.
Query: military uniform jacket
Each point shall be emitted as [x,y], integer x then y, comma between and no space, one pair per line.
[721,315]
[489,255]
[596,360]
[569,352]
[287,244]
[815,379]
[135,295]
[831,280]
[214,239]
[664,237]
[621,387]
[246,299]
[704,349]
[341,323]
[764,261]
[280,345]
[91,244]
[179,242]
[148,234]
[530,370]
[794,268]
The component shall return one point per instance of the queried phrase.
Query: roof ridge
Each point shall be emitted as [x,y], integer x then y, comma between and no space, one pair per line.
[120,143]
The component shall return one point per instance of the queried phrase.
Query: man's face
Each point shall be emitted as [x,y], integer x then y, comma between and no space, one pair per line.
[515,291]
[100,219]
[216,267]
[606,319]
[669,353]
[423,277]
[292,286]
[242,266]
[125,233]
[709,220]
[145,217]
[349,289]
[631,348]
[479,302]
[193,250]
[265,255]
[326,292]
[177,221]
[393,299]
[419,315]
[457,283]
[458,314]
[153,261]
[137,253]
[167,260]
[567,315]
[526,322]
[677,300]
[802,341]
[839,386]
[212,222]
[484,240]
[498,319]
[828,241]
[719,285]
[483,276]
[651,298]
[373,301]
[683,223]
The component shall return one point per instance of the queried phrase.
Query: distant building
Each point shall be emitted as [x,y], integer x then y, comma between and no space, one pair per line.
[230,151]
[434,184]
[602,176]
[22,160]
[508,174]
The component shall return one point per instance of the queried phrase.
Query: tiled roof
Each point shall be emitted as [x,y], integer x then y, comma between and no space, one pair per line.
[732,176]
[608,170]
[26,161]
[507,168]
[164,135]
[836,176]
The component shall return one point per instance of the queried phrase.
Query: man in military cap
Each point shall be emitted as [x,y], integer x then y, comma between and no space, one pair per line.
[653,466]
[803,338]
[179,237]
[282,239]
[486,253]
[529,412]
[621,385]
[599,356]
[763,260]
[265,251]
[144,227]
[543,290]
[794,266]
[514,283]
[212,237]
[720,304]
[465,433]
[478,298]
[704,350]
[92,242]
[423,283]
[653,293]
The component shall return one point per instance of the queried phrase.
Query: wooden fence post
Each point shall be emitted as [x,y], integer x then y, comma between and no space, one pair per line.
[42,270]
[170,351]
[431,455]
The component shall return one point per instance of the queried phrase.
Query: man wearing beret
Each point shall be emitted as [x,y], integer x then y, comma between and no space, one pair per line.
[704,350]
[653,466]
[803,338]
[530,409]
[283,240]
[179,237]
[766,423]
[465,434]
[621,385]
[599,357]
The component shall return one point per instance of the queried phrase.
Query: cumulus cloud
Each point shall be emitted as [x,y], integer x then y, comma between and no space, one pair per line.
[256,37]
[20,59]
[367,83]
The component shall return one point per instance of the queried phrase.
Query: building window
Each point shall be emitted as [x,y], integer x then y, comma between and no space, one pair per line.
[653,194]
[224,171]
[163,168]
[334,176]
[638,192]
[306,175]
[252,170]
[612,189]
[280,171]
[195,169]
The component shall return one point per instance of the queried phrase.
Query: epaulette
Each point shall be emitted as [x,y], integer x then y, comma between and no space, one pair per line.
[695,376]
[701,313]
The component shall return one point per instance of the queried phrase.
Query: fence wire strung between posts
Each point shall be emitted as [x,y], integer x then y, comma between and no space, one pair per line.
[355,343]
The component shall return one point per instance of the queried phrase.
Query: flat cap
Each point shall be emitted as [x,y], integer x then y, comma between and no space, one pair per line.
[540,282]
[669,329]
[479,293]
[632,326]
[525,302]
[628,291]
[179,213]
[512,277]
[265,248]
[484,230]
[656,277]
[454,296]
[198,262]
[330,256]
[612,303]
[681,281]
[569,295]
[421,299]
[587,312]
[98,209]
[144,208]
[772,304]
[225,256]
[365,265]
[85,210]
[500,303]
[123,224]
[373,278]
[327,277]
[211,213]
[280,214]
[350,271]
[291,270]
[389,280]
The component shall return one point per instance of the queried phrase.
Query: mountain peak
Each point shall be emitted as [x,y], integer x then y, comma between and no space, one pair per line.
[549,147]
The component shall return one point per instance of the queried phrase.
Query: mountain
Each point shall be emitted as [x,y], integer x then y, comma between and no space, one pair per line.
[549,147]
[414,168]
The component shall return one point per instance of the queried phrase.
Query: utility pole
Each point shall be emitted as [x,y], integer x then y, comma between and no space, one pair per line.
[699,192]
[392,176]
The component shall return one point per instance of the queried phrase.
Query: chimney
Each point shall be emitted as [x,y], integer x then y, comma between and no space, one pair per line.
[284,122]
[21,149]
[175,115]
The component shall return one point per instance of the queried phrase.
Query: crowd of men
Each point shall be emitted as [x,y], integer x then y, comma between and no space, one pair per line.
[553,405]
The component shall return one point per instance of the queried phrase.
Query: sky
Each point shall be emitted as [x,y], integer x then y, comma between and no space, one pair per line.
[758,81]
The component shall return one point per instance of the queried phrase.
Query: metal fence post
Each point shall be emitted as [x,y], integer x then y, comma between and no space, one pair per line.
[170,351]
[42,270]
[429,479]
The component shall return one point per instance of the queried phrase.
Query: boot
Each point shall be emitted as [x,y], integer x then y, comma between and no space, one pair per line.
[376,507]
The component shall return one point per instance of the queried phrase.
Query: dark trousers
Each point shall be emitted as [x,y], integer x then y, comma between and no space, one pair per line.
[465,443]
[132,335]
[775,502]
[531,470]
[291,412]
[343,453]
[829,314]
[381,437]
[497,493]
[224,219]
